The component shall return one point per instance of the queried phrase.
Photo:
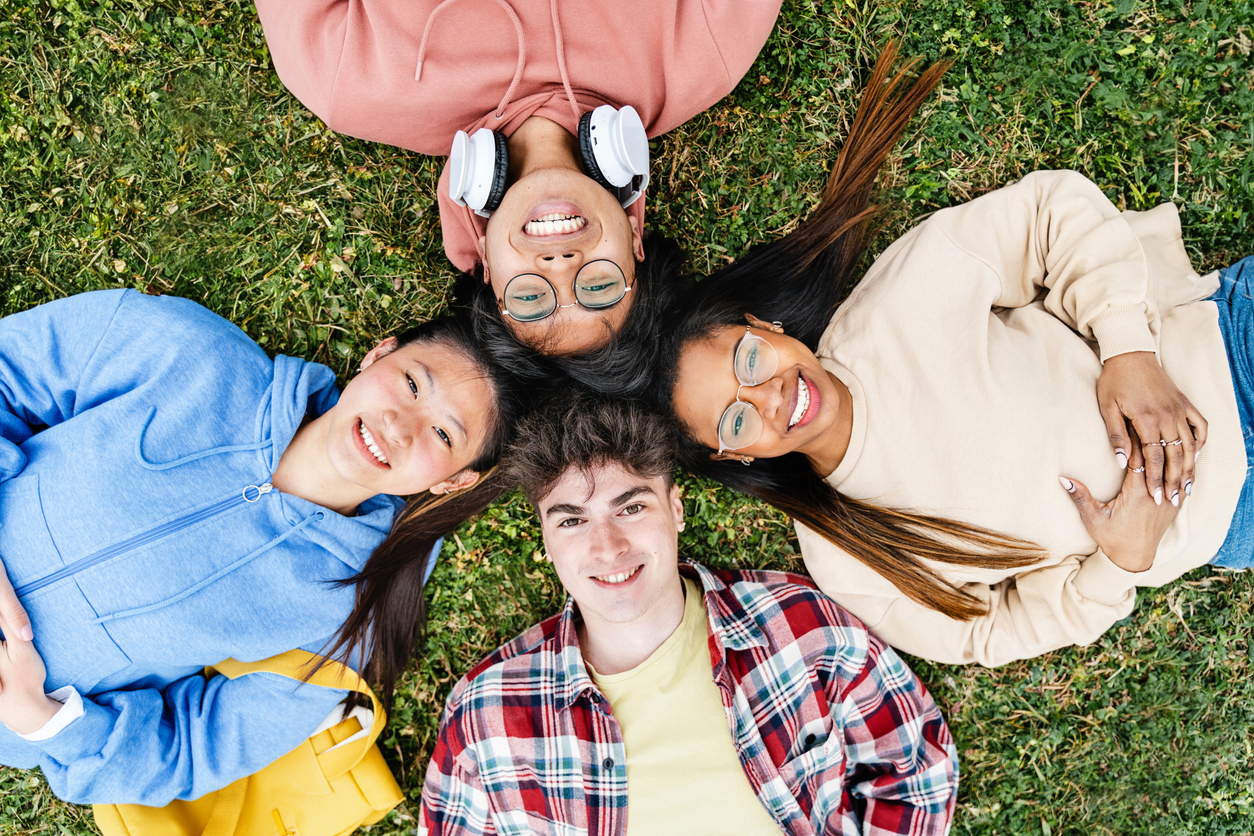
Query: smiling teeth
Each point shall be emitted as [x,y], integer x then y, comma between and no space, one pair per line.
[370,445]
[803,402]
[619,578]
[556,224]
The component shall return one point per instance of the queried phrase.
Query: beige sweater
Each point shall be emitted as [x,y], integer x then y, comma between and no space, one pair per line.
[971,349]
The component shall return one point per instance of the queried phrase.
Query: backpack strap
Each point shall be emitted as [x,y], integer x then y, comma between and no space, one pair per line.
[297,665]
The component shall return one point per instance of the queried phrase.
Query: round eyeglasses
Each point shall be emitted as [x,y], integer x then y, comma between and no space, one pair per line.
[530,297]
[754,363]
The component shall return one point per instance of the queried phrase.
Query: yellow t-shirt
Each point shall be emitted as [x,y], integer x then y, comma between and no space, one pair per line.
[683,774]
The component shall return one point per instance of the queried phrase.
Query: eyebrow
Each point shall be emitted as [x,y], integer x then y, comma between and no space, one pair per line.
[452,419]
[628,495]
[564,508]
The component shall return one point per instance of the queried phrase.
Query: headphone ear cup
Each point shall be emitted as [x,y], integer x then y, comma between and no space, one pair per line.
[500,172]
[587,156]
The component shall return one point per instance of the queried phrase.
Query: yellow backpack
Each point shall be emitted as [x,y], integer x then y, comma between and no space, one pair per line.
[333,783]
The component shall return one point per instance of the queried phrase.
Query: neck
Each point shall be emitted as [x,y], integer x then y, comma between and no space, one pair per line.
[830,451]
[614,648]
[540,143]
[305,470]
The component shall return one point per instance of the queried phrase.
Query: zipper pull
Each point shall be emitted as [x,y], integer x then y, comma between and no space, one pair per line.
[258,491]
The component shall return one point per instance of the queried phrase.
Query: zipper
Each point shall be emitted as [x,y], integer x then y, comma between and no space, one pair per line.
[250,494]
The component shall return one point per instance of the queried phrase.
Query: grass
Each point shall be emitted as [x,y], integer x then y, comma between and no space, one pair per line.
[151,146]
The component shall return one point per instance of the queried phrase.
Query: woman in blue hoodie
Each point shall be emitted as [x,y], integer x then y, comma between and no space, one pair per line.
[170,496]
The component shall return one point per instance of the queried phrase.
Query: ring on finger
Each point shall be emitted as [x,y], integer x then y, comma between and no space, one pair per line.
[1163,443]
[1138,470]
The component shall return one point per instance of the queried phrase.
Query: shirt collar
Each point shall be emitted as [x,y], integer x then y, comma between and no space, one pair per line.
[731,627]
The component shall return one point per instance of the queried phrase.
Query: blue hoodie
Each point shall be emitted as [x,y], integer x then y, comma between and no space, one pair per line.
[141,534]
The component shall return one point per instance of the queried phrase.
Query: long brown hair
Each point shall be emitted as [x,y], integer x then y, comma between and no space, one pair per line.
[799,280]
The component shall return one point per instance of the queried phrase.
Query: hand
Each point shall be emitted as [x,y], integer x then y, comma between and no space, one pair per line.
[23,706]
[1133,390]
[1130,526]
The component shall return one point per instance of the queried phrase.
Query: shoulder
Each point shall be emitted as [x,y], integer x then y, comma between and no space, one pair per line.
[793,616]
[527,656]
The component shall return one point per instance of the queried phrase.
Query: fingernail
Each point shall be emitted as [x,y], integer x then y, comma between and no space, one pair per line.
[1122,458]
[1067,483]
[1188,488]
[1175,498]
[1158,496]
[27,634]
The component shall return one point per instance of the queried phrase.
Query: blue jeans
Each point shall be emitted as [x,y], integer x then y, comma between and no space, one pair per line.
[1235,299]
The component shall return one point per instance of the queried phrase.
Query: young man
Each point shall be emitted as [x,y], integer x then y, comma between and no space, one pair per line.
[413,73]
[670,698]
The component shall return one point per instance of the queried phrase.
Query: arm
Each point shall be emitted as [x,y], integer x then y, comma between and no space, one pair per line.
[150,746]
[1040,609]
[1054,231]
[43,352]
[900,765]
[453,798]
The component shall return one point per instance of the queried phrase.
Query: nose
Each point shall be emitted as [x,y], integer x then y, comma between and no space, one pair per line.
[607,543]
[560,269]
[767,397]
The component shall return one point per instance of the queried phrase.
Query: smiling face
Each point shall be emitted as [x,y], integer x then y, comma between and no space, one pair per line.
[552,222]
[803,407]
[413,420]
[612,536]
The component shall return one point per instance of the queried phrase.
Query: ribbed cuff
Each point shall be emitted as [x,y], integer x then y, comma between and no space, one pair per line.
[1121,330]
[1101,581]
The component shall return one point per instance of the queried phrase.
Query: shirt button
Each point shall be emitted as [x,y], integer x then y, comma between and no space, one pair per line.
[608,764]
[809,740]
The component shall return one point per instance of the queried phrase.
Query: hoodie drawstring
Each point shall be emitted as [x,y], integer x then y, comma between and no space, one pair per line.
[499,113]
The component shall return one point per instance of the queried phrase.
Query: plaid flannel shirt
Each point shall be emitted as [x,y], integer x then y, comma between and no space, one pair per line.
[835,734]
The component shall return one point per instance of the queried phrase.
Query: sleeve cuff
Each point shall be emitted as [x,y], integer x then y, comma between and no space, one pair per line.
[1122,330]
[1101,581]
[71,709]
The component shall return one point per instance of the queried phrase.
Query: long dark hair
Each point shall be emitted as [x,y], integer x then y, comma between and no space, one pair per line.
[799,280]
[623,366]
[389,614]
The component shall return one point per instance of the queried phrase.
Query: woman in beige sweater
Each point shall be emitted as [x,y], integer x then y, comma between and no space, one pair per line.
[946,436]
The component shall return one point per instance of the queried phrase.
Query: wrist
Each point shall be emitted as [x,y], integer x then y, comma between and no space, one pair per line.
[1130,562]
[33,718]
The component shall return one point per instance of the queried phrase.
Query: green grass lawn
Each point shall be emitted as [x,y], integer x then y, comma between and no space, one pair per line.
[150,145]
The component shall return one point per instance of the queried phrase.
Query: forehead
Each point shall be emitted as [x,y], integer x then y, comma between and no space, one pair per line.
[705,370]
[571,330]
[597,485]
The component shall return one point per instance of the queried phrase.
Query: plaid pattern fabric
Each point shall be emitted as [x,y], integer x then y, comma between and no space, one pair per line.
[835,734]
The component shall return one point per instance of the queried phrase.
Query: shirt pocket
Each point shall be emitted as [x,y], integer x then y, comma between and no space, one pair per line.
[815,753]
[75,651]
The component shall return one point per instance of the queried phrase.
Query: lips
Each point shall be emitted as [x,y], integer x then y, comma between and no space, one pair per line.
[618,577]
[370,445]
[554,223]
[805,403]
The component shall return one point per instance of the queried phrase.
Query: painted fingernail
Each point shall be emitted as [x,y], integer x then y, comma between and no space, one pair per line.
[27,634]
[1188,488]
[1158,496]
[1122,458]
[1175,498]
[1067,483]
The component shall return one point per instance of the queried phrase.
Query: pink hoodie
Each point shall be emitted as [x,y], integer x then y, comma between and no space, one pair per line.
[414,73]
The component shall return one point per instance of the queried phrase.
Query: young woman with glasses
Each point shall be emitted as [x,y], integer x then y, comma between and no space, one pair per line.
[944,437]
[504,88]
[171,496]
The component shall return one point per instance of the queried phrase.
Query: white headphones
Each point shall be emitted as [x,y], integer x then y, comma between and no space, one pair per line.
[613,148]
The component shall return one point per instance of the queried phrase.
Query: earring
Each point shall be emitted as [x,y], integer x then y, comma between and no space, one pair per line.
[681,525]
[777,327]
[447,491]
[547,559]
[746,460]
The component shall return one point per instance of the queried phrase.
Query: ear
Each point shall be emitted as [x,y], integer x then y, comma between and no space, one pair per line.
[482,250]
[457,482]
[677,506]
[383,349]
[637,240]
[728,456]
[763,324]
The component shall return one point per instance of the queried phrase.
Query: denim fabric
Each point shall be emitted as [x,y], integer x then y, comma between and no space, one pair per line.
[1235,299]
